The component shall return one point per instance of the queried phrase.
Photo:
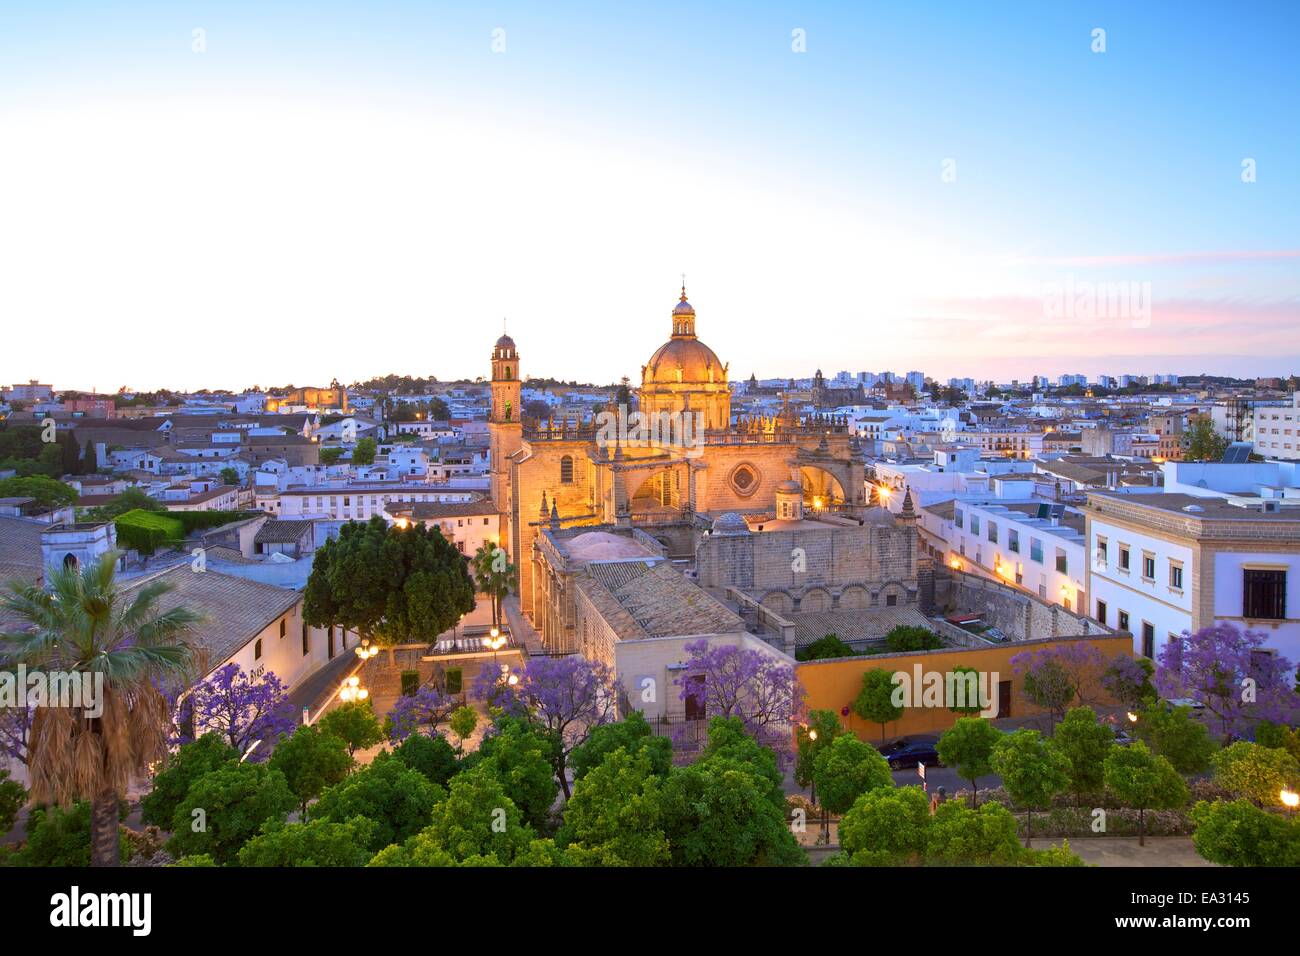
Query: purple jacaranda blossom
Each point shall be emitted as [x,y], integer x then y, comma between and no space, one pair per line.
[241,709]
[561,697]
[1231,673]
[727,680]
[418,713]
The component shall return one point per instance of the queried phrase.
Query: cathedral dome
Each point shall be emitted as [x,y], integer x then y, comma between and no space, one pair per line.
[505,342]
[695,360]
[729,523]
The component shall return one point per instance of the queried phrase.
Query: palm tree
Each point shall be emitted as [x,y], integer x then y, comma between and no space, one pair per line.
[493,576]
[86,623]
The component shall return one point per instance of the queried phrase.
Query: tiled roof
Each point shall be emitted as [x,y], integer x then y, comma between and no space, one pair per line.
[235,609]
[282,532]
[663,603]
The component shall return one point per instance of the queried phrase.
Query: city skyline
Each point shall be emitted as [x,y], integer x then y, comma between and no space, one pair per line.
[899,188]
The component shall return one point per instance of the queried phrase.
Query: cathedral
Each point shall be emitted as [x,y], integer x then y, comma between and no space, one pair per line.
[558,476]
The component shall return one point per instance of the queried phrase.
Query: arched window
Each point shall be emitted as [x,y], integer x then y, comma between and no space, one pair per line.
[70,561]
[257,650]
[507,373]
[566,470]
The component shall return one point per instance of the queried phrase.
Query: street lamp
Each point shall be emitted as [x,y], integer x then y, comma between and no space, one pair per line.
[352,690]
[365,650]
[496,641]
[1290,799]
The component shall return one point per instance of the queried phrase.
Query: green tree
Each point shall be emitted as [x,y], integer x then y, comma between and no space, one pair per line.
[84,622]
[1204,443]
[462,722]
[1178,737]
[632,734]
[477,825]
[190,762]
[1032,771]
[389,584]
[12,798]
[875,701]
[1257,773]
[229,476]
[224,809]
[906,637]
[615,816]
[363,452]
[1279,736]
[1238,833]
[821,730]
[961,836]
[825,648]
[355,724]
[47,492]
[846,770]
[399,800]
[317,843]
[886,827]
[330,455]
[1144,781]
[970,705]
[521,760]
[1085,742]
[133,499]
[311,761]
[431,756]
[716,813]
[60,837]
[967,746]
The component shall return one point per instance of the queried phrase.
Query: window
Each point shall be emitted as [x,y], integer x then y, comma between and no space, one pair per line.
[1123,620]
[891,600]
[1035,550]
[959,518]
[974,524]
[1103,551]
[1176,576]
[1062,562]
[1263,594]
[1013,540]
[566,470]
[1148,567]
[1101,611]
[1123,557]
[306,639]
[1148,639]
[257,650]
[284,627]
[993,531]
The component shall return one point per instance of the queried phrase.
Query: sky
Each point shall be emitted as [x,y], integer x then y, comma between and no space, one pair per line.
[232,193]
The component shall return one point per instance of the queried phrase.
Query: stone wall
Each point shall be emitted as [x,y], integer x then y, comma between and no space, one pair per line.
[1019,615]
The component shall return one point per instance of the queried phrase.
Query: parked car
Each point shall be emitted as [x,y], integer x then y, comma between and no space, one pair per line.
[912,754]
[903,742]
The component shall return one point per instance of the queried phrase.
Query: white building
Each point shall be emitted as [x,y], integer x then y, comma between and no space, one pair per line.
[1037,547]
[1277,430]
[357,501]
[1165,563]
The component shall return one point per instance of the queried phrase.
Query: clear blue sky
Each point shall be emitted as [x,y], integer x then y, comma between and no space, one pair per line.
[350,189]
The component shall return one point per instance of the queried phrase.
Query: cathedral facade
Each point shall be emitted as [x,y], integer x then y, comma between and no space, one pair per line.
[564,475]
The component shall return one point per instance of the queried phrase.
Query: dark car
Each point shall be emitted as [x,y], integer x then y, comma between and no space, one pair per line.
[903,742]
[912,754]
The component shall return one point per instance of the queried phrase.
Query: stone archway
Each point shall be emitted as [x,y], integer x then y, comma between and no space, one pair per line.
[821,488]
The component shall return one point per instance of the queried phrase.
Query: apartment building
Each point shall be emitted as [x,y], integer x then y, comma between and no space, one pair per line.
[467,524]
[1164,563]
[1277,430]
[1037,547]
[356,501]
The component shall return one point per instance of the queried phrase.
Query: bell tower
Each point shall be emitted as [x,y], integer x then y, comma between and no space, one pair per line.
[505,430]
